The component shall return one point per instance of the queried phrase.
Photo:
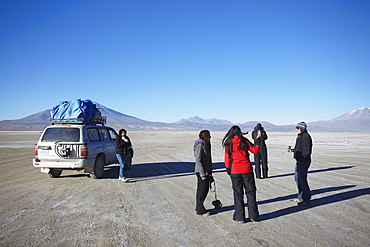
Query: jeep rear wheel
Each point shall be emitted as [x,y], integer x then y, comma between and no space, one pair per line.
[54,173]
[98,168]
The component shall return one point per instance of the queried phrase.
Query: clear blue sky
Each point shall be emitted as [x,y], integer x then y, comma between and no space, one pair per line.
[163,60]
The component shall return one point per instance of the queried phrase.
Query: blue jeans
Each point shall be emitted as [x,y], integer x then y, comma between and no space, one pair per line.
[122,160]
[300,177]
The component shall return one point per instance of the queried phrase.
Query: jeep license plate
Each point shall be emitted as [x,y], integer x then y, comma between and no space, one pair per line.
[44,152]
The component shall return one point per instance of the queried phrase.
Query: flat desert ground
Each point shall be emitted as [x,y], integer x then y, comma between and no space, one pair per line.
[157,208]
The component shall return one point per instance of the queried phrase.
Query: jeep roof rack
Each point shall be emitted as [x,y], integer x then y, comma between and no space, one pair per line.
[81,121]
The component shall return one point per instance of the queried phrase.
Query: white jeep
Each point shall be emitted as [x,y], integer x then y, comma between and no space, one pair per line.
[75,146]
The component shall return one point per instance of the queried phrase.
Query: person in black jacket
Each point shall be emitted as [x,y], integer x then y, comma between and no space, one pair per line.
[302,154]
[262,154]
[123,145]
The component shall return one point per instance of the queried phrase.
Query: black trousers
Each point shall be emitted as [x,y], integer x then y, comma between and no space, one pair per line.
[241,182]
[259,158]
[202,192]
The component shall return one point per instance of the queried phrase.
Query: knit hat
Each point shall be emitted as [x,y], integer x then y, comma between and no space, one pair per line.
[302,126]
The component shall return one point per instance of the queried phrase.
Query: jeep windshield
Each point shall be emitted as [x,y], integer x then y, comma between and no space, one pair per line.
[61,135]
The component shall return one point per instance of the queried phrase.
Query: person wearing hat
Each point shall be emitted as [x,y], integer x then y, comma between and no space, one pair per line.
[261,157]
[302,154]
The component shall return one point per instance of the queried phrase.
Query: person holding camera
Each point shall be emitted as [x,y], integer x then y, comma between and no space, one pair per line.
[123,152]
[262,154]
[203,170]
[239,167]
[302,154]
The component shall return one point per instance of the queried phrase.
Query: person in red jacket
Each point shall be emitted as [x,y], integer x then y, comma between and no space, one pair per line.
[239,167]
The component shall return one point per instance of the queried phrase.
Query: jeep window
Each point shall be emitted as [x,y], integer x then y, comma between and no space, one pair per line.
[105,134]
[112,134]
[93,134]
[61,134]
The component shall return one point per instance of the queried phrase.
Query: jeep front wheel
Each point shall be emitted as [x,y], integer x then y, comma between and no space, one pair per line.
[98,168]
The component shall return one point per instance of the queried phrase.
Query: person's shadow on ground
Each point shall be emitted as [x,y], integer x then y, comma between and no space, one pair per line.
[314,203]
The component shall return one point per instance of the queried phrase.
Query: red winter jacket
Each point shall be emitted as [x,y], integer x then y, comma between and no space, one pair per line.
[241,163]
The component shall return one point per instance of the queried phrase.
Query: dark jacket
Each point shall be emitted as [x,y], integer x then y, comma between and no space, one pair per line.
[203,158]
[122,147]
[303,147]
[262,139]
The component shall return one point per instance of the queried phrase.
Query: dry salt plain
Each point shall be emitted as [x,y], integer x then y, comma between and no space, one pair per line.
[157,209]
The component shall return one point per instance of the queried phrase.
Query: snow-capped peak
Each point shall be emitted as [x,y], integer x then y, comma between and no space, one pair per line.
[360,113]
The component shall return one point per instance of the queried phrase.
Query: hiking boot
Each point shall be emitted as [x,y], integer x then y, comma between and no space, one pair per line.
[207,213]
[239,221]
[303,203]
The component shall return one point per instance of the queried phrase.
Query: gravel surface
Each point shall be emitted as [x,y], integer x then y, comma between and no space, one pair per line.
[157,207]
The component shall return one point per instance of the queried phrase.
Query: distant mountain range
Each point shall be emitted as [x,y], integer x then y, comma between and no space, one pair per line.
[196,119]
[355,121]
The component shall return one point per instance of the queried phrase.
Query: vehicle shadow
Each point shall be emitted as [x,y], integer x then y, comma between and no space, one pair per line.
[150,171]
[160,170]
[314,203]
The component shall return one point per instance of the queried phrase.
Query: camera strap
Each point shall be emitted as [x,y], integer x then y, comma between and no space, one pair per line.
[213,188]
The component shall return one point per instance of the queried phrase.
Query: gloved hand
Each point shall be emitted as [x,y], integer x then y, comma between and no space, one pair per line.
[228,171]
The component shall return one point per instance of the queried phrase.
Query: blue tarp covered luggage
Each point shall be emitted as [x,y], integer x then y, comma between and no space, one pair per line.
[83,110]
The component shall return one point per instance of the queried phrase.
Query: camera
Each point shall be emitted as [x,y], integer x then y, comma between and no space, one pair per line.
[217,204]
